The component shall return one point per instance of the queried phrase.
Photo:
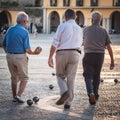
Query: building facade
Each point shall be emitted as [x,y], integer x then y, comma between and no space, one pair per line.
[52,12]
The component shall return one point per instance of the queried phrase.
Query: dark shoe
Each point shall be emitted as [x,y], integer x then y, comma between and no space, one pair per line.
[14,100]
[92,99]
[63,98]
[66,106]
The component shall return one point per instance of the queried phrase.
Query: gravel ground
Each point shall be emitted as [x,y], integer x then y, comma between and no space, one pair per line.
[40,77]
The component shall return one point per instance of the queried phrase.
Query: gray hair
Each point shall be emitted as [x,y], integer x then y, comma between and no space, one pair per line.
[22,16]
[96,16]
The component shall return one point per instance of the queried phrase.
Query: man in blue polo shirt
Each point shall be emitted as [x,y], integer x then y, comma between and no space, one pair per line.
[16,45]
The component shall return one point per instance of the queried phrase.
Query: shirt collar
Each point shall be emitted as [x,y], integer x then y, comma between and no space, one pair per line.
[73,21]
[19,25]
[96,24]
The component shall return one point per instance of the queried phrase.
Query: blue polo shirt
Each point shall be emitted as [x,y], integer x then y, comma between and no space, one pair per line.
[16,39]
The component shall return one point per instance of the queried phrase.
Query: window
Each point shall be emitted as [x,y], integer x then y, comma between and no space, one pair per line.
[53,2]
[94,2]
[66,2]
[38,3]
[116,2]
[79,2]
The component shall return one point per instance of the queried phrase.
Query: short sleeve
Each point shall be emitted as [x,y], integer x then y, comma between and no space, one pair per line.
[108,41]
[26,42]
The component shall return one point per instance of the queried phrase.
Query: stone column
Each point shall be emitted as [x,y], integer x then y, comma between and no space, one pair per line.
[44,20]
[110,23]
[108,27]
[106,23]
[61,20]
[86,22]
[48,24]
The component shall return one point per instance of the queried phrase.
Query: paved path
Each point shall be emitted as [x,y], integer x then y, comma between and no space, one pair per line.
[107,108]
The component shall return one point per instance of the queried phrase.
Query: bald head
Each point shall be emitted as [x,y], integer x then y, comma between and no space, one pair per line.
[96,17]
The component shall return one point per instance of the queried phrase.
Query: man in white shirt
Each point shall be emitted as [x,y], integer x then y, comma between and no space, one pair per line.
[66,43]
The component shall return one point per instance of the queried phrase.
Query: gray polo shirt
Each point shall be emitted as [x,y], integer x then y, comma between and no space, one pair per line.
[95,39]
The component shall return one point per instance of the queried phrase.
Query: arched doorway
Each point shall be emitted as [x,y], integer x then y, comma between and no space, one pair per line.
[5,19]
[54,21]
[115,21]
[80,18]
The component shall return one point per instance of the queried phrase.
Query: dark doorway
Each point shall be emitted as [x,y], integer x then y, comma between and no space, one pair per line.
[54,21]
[115,21]
[80,18]
[5,20]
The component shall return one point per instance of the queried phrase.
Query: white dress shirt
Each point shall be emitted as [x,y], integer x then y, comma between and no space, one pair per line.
[68,36]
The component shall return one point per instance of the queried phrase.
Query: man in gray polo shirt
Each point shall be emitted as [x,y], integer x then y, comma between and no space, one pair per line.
[95,40]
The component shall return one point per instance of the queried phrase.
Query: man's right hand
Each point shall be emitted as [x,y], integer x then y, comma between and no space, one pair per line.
[112,65]
[50,62]
[35,52]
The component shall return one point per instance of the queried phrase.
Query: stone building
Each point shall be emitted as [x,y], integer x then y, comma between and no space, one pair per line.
[48,14]
[53,11]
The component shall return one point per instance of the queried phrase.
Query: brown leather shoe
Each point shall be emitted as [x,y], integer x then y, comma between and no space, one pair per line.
[92,99]
[63,98]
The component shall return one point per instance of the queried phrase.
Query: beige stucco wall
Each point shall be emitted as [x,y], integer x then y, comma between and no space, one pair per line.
[46,3]
[86,2]
[104,6]
[105,3]
[13,16]
[60,3]
[86,12]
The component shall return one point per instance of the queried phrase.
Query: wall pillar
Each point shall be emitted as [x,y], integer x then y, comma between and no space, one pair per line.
[44,20]
[48,19]
[61,20]
[60,3]
[72,3]
[85,21]
[106,24]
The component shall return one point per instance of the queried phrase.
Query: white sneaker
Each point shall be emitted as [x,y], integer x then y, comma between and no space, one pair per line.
[19,99]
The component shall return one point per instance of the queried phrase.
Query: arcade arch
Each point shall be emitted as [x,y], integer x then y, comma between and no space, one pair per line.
[5,19]
[54,21]
[115,21]
[80,18]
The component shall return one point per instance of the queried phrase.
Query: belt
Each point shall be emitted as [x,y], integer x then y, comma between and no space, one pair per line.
[70,50]
[14,53]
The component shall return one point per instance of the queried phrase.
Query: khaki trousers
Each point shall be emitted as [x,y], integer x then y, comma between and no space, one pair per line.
[66,68]
[18,67]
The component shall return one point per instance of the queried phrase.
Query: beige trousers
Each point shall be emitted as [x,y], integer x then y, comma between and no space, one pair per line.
[66,68]
[18,67]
